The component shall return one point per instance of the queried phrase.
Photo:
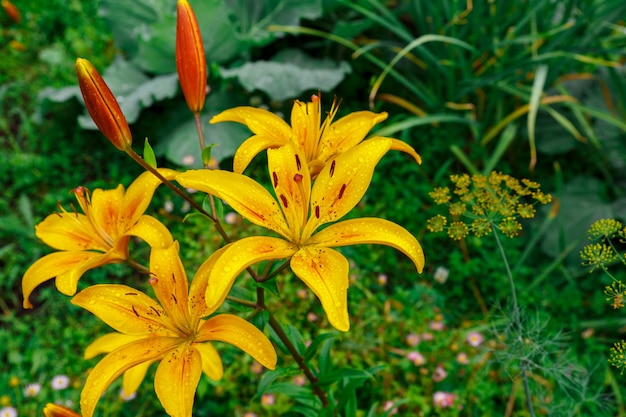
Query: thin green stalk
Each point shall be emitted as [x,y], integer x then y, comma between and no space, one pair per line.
[517,322]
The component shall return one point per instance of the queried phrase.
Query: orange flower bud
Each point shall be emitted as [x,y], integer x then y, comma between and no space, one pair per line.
[190,60]
[102,105]
[12,11]
[55,410]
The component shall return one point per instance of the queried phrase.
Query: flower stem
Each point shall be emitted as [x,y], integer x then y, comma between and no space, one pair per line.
[517,322]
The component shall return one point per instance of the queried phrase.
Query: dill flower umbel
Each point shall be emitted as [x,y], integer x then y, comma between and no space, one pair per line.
[477,204]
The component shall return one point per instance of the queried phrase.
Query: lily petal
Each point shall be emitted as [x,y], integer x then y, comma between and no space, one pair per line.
[371,230]
[242,334]
[169,281]
[132,378]
[260,121]
[199,284]
[105,209]
[71,232]
[119,361]
[236,257]
[151,231]
[243,194]
[212,364]
[347,132]
[67,281]
[177,378]
[70,264]
[139,194]
[108,343]
[343,182]
[398,145]
[125,309]
[325,272]
[292,185]
[251,147]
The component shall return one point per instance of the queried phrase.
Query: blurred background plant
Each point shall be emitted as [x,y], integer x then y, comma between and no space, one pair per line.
[534,89]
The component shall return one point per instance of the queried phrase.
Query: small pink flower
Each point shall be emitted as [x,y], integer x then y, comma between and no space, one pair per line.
[302,293]
[412,339]
[475,339]
[249,414]
[462,358]
[267,399]
[436,326]
[389,407]
[256,368]
[299,380]
[232,218]
[427,336]
[382,279]
[8,412]
[440,374]
[443,399]
[416,357]
[311,317]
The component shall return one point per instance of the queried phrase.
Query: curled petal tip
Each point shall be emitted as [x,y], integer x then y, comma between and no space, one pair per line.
[102,105]
[190,59]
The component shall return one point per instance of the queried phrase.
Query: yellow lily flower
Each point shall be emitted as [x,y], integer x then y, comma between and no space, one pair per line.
[319,142]
[99,236]
[300,209]
[170,331]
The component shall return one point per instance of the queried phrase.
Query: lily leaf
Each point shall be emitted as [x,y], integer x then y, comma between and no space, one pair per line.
[290,73]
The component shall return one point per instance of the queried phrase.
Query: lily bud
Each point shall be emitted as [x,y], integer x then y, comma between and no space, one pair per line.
[102,105]
[190,60]
[55,410]
[12,11]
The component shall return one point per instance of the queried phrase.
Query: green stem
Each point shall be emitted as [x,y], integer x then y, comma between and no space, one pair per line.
[517,322]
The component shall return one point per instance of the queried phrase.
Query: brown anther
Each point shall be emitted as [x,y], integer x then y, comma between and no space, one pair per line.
[284,200]
[131,293]
[135,311]
[343,188]
[275,177]
[332,168]
[317,212]
[174,298]
[156,311]
[298,164]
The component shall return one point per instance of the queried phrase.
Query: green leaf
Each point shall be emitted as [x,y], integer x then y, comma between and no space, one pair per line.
[260,319]
[324,359]
[312,349]
[270,285]
[157,47]
[148,154]
[129,19]
[290,73]
[206,154]
[179,141]
[270,376]
[254,17]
